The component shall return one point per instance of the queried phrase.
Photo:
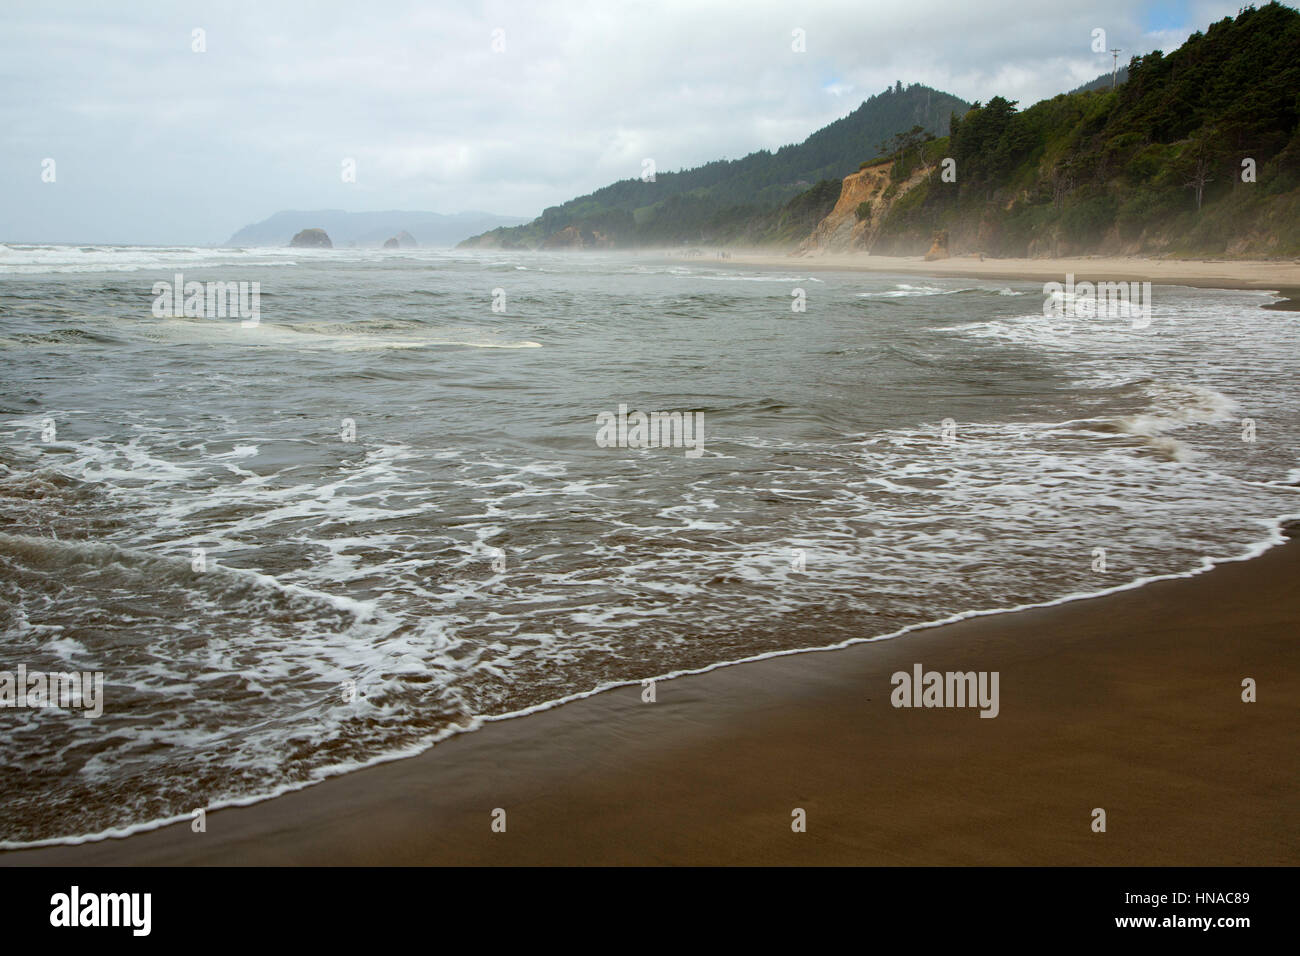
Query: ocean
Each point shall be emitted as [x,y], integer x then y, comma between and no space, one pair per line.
[385,512]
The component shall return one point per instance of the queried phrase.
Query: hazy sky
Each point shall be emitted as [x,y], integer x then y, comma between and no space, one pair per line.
[156,143]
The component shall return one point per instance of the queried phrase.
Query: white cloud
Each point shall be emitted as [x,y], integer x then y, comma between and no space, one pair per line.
[157,143]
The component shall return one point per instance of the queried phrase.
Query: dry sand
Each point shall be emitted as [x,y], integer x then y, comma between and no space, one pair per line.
[1204,273]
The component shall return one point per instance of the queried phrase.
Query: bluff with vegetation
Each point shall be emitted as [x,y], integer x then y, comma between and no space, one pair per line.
[1195,153]
[766,197]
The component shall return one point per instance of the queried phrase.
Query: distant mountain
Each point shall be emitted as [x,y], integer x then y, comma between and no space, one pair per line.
[369,228]
[734,200]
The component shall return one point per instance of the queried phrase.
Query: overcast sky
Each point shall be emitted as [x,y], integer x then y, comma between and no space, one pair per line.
[156,143]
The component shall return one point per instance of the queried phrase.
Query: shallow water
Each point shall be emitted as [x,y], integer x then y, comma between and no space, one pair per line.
[474,552]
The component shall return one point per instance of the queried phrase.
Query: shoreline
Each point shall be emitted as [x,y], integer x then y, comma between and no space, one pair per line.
[434,807]
[1260,275]
[1278,536]
[719,722]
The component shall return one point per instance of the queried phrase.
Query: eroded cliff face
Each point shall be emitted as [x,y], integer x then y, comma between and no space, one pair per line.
[842,230]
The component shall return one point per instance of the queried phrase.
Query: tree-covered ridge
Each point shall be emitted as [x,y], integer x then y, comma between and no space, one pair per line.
[734,200]
[1155,166]
[1103,82]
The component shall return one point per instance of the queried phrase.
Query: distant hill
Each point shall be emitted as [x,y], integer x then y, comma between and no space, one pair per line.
[369,228]
[1154,167]
[734,200]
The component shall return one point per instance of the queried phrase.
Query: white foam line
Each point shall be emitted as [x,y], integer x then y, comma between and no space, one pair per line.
[363,611]
[118,833]
[1207,564]
[1274,539]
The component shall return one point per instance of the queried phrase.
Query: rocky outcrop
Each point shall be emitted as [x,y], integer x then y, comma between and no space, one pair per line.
[370,229]
[938,248]
[873,191]
[403,240]
[311,239]
[842,230]
[497,239]
[572,237]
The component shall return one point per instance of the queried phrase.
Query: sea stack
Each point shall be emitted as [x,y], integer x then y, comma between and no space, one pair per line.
[403,240]
[311,239]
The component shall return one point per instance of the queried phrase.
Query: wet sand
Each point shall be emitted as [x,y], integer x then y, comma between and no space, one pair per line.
[1130,702]
[1274,275]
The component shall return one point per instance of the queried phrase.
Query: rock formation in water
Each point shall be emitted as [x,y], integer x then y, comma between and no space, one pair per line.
[311,239]
[403,240]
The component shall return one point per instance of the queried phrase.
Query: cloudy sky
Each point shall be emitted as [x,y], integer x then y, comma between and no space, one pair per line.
[451,106]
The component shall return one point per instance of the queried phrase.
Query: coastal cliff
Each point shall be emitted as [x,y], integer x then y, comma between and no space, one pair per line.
[1197,153]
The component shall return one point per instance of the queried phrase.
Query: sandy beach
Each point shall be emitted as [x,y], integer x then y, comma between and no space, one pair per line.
[1130,702]
[1282,276]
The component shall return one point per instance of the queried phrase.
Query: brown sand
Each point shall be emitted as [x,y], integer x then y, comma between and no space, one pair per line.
[1279,275]
[1129,702]
[1203,273]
